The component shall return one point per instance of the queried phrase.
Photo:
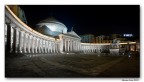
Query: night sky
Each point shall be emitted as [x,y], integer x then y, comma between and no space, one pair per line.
[88,19]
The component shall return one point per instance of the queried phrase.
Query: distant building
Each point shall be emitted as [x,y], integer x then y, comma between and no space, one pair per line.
[88,38]
[122,39]
[103,39]
[114,36]
[100,39]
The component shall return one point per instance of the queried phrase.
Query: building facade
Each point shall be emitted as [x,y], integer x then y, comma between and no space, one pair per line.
[88,38]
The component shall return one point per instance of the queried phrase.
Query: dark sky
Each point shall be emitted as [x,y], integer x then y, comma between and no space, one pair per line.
[88,19]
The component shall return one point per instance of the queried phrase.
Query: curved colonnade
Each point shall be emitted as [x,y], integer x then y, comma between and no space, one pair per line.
[20,38]
[94,48]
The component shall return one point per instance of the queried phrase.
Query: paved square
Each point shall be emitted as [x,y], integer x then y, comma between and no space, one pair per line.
[70,65]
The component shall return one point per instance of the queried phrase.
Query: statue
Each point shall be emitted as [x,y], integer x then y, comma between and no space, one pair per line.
[114,50]
[115,43]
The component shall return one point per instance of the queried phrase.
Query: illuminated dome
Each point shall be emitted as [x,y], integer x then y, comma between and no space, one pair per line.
[51,26]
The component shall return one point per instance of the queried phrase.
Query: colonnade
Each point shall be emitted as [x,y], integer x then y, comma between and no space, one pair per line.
[93,48]
[19,38]
[20,41]
[71,45]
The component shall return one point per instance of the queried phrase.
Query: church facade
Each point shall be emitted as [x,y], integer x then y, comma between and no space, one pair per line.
[51,37]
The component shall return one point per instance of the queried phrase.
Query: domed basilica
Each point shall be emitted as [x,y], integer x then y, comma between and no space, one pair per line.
[70,41]
[51,27]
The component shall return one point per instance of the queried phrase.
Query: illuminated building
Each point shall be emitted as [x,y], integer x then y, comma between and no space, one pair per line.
[52,37]
[51,26]
[113,36]
[88,38]
[99,39]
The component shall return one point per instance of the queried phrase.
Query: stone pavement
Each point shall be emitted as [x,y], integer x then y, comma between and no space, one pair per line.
[74,65]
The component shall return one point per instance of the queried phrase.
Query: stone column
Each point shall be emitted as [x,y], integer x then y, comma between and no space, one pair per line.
[72,45]
[29,43]
[45,46]
[24,42]
[20,41]
[58,47]
[77,46]
[32,44]
[51,47]
[36,44]
[88,48]
[11,39]
[5,35]
[68,45]
[48,47]
[85,49]
[8,34]
[17,41]
[54,47]
[61,45]
[92,49]
[65,45]
[40,46]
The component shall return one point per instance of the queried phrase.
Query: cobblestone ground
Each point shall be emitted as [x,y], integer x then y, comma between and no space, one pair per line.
[71,65]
